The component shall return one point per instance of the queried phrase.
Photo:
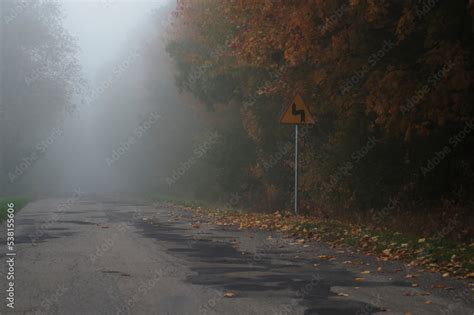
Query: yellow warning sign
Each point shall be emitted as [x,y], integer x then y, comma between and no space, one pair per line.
[297,113]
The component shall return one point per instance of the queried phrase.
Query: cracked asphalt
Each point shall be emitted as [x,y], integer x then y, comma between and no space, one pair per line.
[118,255]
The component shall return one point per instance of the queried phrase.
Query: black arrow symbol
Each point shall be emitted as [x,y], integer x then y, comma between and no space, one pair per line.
[296,112]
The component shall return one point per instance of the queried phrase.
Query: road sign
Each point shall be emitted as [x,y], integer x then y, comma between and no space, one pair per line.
[297,113]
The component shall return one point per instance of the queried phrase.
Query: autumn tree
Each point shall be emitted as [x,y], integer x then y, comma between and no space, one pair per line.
[389,81]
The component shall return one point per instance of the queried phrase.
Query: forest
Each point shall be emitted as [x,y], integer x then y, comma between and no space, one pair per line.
[149,133]
[389,82]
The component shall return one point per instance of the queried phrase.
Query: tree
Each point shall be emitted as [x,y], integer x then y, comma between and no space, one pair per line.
[390,83]
[39,76]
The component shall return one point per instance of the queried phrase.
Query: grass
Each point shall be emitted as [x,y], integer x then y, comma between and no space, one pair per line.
[194,203]
[445,252]
[19,202]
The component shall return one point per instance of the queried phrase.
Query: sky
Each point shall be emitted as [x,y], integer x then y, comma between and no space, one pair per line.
[103,28]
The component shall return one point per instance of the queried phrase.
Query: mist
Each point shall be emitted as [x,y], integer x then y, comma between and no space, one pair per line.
[236,157]
[104,138]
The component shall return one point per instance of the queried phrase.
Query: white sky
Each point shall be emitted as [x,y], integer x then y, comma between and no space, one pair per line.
[103,27]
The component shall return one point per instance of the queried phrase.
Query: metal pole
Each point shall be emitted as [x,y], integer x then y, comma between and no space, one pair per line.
[296,169]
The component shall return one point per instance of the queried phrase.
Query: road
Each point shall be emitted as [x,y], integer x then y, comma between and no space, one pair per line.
[117,255]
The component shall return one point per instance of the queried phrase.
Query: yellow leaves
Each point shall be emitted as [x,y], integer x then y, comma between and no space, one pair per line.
[303,229]
[327,257]
[359,279]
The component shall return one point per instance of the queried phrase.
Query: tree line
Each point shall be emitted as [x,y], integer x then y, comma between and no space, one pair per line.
[389,82]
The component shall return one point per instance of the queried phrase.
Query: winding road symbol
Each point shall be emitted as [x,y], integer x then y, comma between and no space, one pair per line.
[297,113]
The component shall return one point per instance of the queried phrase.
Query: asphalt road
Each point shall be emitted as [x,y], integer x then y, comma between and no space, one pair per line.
[116,255]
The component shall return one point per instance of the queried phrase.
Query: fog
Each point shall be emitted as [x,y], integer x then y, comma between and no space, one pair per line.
[185,98]
[102,134]
[237,157]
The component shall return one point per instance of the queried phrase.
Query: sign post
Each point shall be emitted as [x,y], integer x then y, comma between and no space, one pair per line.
[297,114]
[296,169]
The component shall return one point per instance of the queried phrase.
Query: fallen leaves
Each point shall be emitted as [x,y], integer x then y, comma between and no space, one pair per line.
[327,257]
[395,246]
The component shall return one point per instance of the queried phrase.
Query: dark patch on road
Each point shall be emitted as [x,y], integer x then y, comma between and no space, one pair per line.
[40,237]
[219,264]
[57,229]
[116,272]
[76,222]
